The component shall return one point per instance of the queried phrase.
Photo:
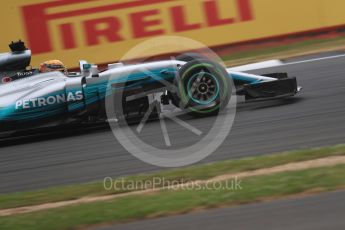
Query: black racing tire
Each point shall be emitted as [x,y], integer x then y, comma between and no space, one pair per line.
[188,57]
[204,88]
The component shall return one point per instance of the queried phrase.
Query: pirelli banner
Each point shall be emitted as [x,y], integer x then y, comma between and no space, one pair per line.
[102,31]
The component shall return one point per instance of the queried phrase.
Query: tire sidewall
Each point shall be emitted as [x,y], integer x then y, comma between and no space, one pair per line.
[216,70]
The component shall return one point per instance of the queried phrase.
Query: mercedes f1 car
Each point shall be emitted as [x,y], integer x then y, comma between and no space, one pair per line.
[192,83]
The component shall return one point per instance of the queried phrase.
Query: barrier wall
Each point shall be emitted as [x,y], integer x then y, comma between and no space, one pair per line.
[102,31]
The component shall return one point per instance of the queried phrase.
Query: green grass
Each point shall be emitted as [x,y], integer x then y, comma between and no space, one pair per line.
[293,49]
[169,202]
[198,172]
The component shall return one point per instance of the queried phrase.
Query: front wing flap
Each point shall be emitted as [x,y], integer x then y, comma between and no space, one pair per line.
[279,88]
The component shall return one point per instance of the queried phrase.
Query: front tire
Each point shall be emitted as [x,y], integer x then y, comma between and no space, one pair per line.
[188,57]
[204,88]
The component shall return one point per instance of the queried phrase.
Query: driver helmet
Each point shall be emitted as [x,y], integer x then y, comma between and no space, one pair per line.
[53,65]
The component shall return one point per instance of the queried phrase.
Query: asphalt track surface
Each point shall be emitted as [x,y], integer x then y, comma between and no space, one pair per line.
[316,117]
[320,212]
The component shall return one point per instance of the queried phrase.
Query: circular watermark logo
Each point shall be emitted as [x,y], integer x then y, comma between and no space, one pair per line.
[174,111]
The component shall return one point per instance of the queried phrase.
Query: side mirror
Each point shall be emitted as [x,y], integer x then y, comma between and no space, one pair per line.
[88,70]
[87,66]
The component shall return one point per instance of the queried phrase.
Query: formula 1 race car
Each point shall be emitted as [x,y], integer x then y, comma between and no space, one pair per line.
[201,87]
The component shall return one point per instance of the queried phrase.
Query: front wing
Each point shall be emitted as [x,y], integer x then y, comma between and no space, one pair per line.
[271,89]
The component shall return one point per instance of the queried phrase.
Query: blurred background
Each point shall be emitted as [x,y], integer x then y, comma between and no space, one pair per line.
[103,31]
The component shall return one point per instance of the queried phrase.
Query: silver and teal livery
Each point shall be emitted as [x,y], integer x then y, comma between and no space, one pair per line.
[199,86]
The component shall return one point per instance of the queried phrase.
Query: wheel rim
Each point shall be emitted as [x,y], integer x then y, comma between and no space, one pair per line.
[203,88]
